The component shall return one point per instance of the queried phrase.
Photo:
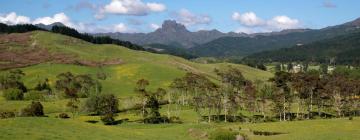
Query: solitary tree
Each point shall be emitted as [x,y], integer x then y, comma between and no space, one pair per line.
[141,90]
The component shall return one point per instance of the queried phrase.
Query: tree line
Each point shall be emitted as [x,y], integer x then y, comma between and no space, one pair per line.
[310,94]
[286,96]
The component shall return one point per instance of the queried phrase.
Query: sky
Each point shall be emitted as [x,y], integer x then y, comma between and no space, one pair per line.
[130,16]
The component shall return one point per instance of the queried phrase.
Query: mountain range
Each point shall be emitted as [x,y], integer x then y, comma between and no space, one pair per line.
[173,34]
[214,43]
[173,38]
[243,46]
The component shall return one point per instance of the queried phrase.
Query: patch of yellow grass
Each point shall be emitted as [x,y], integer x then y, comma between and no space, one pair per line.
[129,70]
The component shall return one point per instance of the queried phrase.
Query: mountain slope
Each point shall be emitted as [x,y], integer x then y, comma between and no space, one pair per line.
[345,49]
[242,46]
[123,66]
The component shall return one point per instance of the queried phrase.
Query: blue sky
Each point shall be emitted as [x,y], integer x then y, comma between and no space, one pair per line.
[146,15]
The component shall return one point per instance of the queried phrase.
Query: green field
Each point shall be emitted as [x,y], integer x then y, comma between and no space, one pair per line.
[160,70]
[52,128]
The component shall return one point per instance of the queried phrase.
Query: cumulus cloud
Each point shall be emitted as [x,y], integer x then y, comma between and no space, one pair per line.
[187,18]
[156,7]
[129,7]
[59,17]
[283,22]
[94,28]
[248,19]
[154,26]
[251,23]
[12,18]
[328,4]
[120,27]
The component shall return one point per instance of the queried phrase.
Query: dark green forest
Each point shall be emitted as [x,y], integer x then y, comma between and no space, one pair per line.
[343,50]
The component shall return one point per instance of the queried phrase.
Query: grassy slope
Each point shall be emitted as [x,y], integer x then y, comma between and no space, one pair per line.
[159,69]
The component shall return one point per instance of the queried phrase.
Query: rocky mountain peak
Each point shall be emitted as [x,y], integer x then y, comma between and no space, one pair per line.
[172,26]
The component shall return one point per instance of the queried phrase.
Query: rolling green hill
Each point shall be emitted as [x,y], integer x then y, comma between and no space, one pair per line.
[122,66]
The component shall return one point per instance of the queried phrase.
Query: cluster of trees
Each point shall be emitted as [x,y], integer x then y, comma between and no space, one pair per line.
[208,98]
[335,93]
[105,105]
[150,102]
[68,86]
[11,84]
[77,86]
[315,94]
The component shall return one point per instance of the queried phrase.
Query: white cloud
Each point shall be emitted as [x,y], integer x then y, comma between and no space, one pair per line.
[59,17]
[187,18]
[248,19]
[253,24]
[120,27]
[154,26]
[245,30]
[283,22]
[129,7]
[12,18]
[156,7]
[94,28]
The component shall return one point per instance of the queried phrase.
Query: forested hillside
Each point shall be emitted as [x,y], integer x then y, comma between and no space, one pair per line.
[243,46]
[343,49]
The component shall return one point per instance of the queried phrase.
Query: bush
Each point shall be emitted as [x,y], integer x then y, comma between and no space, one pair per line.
[13,94]
[174,119]
[266,133]
[34,95]
[35,109]
[102,104]
[222,134]
[108,119]
[156,120]
[7,114]
[63,116]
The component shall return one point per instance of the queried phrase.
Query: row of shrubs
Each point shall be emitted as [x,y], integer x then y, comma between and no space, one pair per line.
[266,133]
[35,109]
[17,94]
